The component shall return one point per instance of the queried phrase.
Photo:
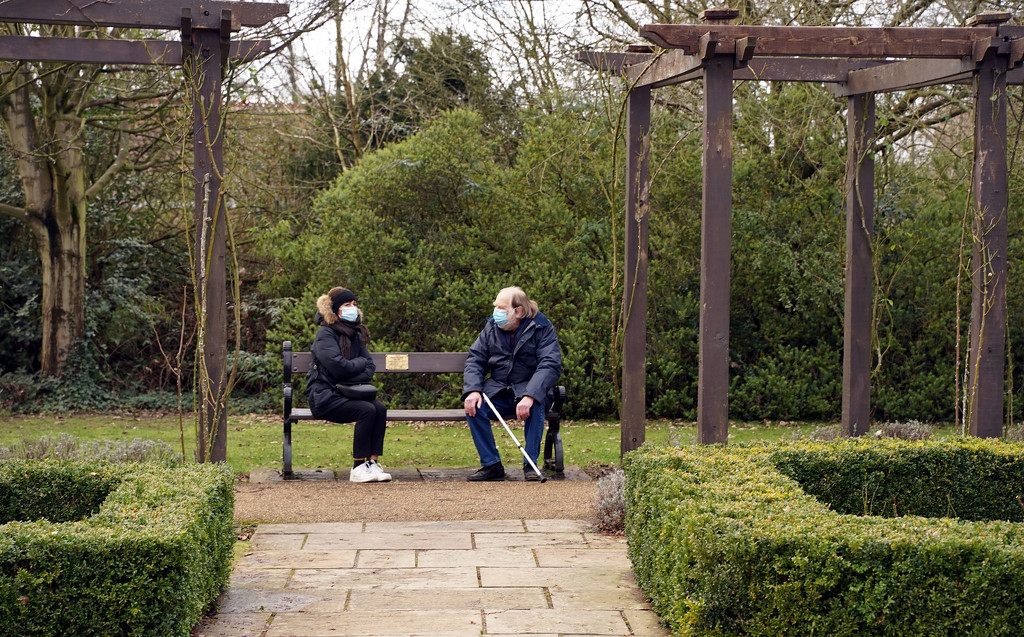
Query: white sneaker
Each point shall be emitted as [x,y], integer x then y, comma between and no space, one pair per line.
[378,471]
[362,473]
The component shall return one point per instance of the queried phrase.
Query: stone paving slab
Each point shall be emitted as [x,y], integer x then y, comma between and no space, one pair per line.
[407,541]
[495,578]
[312,527]
[454,598]
[478,557]
[525,622]
[458,526]
[441,623]
[384,578]
[572,556]
[589,578]
[290,559]
[529,540]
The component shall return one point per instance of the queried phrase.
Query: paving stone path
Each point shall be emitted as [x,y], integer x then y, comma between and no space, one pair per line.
[498,577]
[541,577]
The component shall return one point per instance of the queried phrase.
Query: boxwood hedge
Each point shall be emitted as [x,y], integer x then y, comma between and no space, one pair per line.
[103,549]
[855,537]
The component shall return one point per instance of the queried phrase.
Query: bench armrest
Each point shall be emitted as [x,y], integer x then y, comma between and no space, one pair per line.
[286,348]
[559,399]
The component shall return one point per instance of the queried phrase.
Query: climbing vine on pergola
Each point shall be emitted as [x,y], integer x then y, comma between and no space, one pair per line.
[857,62]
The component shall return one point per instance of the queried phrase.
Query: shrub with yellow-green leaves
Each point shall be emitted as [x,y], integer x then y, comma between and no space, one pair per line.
[855,537]
[104,549]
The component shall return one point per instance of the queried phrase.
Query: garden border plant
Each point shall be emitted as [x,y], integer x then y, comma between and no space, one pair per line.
[92,548]
[810,538]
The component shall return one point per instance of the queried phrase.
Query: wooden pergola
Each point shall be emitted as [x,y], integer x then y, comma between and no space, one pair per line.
[204,50]
[857,62]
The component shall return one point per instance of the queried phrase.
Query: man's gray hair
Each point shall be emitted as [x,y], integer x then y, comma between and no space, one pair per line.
[517,298]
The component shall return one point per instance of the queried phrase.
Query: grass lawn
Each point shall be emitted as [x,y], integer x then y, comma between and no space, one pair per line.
[254,440]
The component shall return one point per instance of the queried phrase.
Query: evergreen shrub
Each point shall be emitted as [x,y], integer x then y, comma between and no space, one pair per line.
[104,549]
[831,538]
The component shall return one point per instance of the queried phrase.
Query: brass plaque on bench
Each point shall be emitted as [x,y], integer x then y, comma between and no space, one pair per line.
[396,361]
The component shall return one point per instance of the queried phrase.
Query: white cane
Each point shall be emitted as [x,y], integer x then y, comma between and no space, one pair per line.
[505,425]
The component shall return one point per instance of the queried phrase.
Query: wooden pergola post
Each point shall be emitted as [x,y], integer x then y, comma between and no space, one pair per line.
[634,293]
[204,67]
[860,206]
[988,264]
[716,238]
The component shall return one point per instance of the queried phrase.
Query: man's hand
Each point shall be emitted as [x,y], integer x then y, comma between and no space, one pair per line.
[473,402]
[523,407]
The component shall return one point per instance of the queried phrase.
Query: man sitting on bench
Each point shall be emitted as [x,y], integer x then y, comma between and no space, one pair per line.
[516,361]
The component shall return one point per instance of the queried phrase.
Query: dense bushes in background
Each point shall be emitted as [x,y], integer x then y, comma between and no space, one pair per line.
[103,549]
[774,540]
[426,230]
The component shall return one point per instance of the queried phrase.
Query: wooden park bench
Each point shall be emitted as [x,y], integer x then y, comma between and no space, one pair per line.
[414,363]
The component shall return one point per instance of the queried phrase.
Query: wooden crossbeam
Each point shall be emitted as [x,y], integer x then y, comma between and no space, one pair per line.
[612,61]
[905,75]
[140,14]
[674,67]
[90,51]
[852,42]
[850,76]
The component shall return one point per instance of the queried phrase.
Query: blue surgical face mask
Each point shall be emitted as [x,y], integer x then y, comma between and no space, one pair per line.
[349,314]
[500,317]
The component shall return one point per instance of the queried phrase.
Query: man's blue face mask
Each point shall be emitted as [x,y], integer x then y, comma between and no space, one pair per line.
[500,317]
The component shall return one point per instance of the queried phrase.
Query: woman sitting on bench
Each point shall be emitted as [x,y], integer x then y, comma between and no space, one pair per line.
[340,357]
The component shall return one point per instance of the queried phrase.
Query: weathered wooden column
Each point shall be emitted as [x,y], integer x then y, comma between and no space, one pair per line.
[634,293]
[988,264]
[860,193]
[716,239]
[204,66]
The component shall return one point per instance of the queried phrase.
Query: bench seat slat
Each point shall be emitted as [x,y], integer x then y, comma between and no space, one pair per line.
[398,415]
[426,414]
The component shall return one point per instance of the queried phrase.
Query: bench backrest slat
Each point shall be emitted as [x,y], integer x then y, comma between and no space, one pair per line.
[399,362]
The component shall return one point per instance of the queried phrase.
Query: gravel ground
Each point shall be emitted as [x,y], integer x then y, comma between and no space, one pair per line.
[413,501]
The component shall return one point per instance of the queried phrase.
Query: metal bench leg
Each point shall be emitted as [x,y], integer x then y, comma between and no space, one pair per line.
[287,459]
[553,458]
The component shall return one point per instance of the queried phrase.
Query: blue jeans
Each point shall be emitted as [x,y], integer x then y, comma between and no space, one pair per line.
[483,436]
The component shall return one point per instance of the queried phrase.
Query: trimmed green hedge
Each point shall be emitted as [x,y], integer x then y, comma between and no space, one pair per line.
[148,553]
[762,540]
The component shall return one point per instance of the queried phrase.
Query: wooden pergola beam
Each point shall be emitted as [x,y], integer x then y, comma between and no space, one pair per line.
[139,14]
[905,75]
[848,42]
[611,61]
[77,50]
[674,67]
[851,77]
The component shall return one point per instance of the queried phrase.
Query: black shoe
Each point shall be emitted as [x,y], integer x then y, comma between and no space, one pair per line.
[529,474]
[491,473]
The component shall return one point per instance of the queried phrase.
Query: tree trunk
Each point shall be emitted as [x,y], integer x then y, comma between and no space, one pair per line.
[52,174]
[62,254]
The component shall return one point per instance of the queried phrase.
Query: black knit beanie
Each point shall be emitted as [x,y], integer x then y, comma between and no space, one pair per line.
[340,296]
